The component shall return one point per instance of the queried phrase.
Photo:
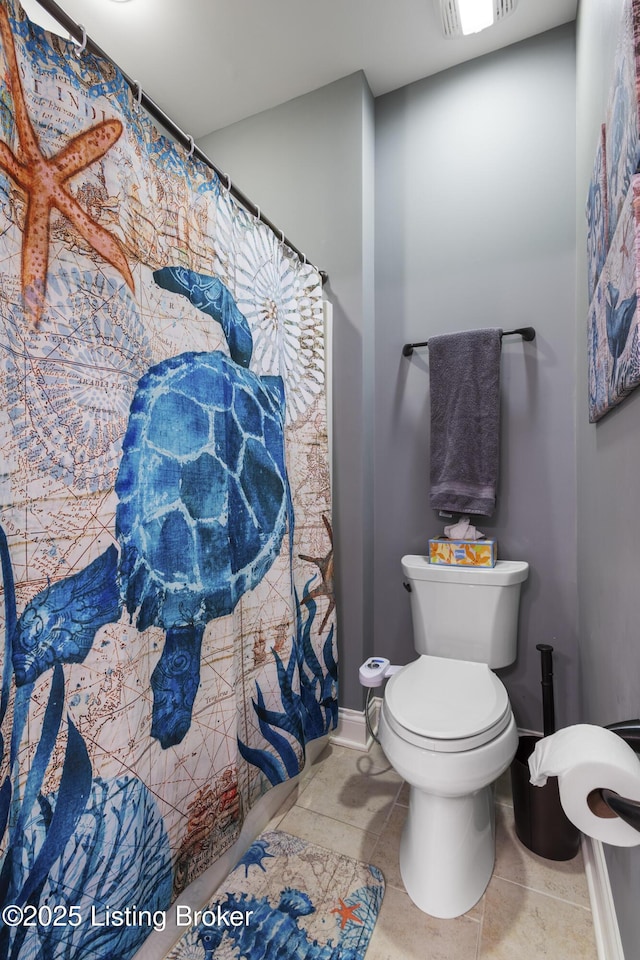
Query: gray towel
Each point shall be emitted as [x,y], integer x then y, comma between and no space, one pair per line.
[464,373]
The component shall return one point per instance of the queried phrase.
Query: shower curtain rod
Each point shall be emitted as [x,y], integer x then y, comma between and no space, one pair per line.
[527,333]
[78,32]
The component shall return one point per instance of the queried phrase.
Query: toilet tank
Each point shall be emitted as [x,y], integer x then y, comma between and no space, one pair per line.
[465,613]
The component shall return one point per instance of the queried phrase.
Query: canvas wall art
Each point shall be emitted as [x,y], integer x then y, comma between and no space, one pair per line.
[621,123]
[612,212]
[614,343]
[597,216]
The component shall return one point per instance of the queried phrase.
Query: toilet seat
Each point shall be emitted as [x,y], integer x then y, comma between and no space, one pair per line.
[446,705]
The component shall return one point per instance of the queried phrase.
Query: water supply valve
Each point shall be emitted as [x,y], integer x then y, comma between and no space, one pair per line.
[374,670]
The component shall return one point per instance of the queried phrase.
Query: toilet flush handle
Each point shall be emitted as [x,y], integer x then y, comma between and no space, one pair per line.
[407,586]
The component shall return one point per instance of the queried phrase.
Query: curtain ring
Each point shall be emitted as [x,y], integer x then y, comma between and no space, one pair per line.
[282,237]
[257,215]
[138,93]
[80,47]
[228,182]
[192,147]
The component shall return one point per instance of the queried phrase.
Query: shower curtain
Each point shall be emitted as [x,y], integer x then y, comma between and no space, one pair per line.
[165,527]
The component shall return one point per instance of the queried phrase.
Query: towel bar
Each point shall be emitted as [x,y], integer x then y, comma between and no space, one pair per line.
[527,333]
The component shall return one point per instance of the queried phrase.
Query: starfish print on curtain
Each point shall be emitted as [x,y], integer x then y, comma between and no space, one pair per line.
[43,180]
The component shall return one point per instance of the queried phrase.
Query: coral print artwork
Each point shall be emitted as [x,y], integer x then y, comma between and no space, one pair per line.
[613,221]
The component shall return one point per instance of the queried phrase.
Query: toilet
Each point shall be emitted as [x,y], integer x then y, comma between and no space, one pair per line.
[447,728]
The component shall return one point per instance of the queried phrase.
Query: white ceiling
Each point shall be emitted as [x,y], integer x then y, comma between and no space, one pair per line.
[209,63]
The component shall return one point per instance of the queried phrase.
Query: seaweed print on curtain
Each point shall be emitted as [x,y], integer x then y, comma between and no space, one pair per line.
[166,549]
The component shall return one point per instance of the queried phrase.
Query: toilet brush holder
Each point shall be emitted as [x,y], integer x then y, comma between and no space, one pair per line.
[541,823]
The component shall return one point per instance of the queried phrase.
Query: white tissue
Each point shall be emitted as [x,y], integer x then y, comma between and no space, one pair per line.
[585,758]
[463,530]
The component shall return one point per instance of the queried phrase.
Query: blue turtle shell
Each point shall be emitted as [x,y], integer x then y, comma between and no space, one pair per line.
[202,488]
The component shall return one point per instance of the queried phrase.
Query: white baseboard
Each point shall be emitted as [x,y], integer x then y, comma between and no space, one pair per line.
[352,727]
[605,921]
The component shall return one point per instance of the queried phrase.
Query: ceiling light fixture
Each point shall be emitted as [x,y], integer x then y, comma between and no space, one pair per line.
[464,17]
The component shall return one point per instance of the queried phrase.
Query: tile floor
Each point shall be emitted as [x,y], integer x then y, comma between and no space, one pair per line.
[533,908]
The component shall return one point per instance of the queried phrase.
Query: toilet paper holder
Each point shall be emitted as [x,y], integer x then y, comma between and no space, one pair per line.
[607,803]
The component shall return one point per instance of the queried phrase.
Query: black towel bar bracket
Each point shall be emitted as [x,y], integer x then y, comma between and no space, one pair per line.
[527,333]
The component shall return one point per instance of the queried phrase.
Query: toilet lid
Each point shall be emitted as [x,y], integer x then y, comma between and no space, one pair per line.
[454,703]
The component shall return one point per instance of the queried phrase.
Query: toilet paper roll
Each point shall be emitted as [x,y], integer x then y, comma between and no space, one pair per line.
[586,758]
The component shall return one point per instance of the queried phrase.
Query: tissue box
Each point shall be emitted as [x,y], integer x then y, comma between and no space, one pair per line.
[463,553]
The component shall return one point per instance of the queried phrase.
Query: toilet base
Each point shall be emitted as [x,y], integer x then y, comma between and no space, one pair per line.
[447,850]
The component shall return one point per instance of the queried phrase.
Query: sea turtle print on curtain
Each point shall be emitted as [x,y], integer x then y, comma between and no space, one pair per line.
[165,532]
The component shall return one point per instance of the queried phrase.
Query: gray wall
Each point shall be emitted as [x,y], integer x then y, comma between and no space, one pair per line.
[475,226]
[474,221]
[608,458]
[309,165]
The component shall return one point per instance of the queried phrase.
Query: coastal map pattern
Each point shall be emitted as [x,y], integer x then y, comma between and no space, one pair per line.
[165,524]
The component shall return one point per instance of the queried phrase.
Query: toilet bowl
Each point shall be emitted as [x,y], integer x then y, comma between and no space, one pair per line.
[447,849]
[446,726]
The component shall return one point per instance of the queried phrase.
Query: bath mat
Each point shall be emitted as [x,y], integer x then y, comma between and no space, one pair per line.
[289,899]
